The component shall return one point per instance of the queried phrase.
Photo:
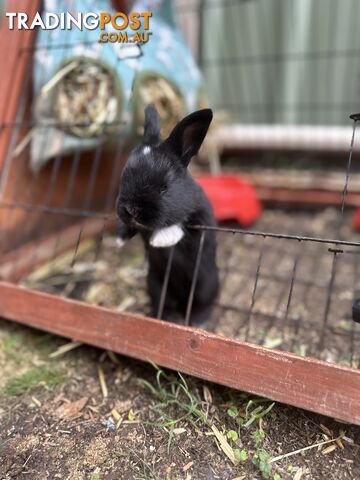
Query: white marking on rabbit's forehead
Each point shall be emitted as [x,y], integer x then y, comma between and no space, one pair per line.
[146,150]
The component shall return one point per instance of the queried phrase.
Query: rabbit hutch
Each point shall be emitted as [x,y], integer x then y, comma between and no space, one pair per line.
[284,324]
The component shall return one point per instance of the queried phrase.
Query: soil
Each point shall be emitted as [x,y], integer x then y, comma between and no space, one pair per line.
[64,430]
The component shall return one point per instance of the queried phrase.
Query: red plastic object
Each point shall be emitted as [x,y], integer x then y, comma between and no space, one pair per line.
[232,198]
[356,220]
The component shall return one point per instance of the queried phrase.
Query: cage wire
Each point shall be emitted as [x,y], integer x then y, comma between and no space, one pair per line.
[288,285]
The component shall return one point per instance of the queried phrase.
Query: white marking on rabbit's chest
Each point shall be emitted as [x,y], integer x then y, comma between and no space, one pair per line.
[146,150]
[166,237]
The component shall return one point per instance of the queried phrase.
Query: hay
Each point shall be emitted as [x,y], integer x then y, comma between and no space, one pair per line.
[85,99]
[165,96]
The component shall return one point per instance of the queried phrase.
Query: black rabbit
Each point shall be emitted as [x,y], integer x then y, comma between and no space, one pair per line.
[159,199]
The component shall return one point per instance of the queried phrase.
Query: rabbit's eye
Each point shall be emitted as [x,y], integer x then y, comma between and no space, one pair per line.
[163,189]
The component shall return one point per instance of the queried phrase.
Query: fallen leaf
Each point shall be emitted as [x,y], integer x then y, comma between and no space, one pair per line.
[113,357]
[102,381]
[71,409]
[207,394]
[261,423]
[326,430]
[329,449]
[187,466]
[36,401]
[272,342]
[65,349]
[177,431]
[224,445]
[115,414]
[339,443]
[131,415]
[298,474]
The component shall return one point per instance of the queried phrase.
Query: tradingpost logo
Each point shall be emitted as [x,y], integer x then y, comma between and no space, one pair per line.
[112,25]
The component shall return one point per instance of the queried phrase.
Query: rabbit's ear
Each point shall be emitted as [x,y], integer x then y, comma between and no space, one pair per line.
[186,138]
[152,125]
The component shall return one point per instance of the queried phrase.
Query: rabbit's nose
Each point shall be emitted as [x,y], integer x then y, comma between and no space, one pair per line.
[131,210]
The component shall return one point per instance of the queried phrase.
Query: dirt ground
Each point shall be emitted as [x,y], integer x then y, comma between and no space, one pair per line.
[87,414]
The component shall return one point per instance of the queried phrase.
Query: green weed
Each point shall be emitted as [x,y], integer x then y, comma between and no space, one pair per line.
[174,394]
[37,376]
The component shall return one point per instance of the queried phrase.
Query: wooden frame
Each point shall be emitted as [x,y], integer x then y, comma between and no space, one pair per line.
[304,382]
[307,383]
[309,198]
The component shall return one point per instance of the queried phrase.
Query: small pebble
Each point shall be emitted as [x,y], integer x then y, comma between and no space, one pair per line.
[110,425]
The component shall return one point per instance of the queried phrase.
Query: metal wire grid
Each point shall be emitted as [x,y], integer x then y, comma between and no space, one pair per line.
[295,297]
[303,284]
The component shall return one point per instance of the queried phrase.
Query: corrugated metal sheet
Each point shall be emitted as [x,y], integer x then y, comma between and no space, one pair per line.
[283,61]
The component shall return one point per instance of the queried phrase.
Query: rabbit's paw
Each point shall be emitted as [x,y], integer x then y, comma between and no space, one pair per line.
[166,237]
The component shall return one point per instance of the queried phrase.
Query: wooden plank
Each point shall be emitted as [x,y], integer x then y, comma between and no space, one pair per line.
[311,179]
[11,43]
[306,198]
[322,387]
[311,188]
